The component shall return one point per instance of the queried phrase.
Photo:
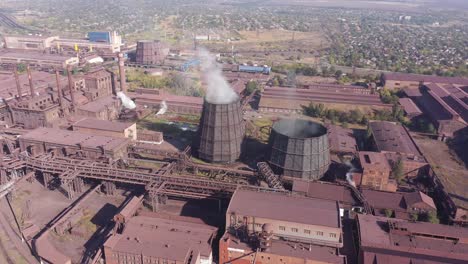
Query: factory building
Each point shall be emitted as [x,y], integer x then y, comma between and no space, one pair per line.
[104,43]
[341,140]
[106,128]
[396,80]
[98,84]
[38,43]
[446,106]
[400,204]
[105,108]
[396,143]
[38,111]
[292,100]
[375,171]
[145,237]
[37,59]
[304,230]
[72,144]
[175,103]
[388,240]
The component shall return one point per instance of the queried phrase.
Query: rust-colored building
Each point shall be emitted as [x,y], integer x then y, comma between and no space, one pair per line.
[98,84]
[159,238]
[105,108]
[387,240]
[33,112]
[402,204]
[175,103]
[395,142]
[72,143]
[106,128]
[278,228]
[397,80]
[375,171]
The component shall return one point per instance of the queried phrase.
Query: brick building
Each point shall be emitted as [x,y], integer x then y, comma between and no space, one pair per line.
[375,171]
[106,128]
[388,240]
[397,80]
[277,228]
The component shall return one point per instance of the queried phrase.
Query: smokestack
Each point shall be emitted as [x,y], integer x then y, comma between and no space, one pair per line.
[123,85]
[70,86]
[59,88]
[31,86]
[18,84]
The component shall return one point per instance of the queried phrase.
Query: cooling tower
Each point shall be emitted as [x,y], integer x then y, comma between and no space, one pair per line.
[221,132]
[299,149]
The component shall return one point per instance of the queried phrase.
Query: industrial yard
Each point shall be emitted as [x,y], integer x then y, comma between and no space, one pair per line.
[232,132]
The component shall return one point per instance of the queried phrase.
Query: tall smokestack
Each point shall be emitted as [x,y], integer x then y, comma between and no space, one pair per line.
[59,88]
[70,86]
[123,85]
[31,86]
[18,84]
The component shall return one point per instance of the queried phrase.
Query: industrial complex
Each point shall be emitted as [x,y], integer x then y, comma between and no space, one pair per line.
[96,167]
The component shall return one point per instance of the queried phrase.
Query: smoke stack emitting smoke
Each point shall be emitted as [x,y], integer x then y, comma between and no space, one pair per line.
[218,91]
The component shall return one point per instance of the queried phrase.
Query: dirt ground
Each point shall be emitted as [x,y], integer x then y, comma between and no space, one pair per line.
[96,214]
[451,171]
[43,206]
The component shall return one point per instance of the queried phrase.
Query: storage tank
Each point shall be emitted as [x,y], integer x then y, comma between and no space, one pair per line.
[221,132]
[299,149]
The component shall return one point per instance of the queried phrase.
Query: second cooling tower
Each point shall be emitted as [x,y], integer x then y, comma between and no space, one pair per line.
[299,149]
[221,132]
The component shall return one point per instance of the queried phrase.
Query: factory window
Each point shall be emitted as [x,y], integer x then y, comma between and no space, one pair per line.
[319,233]
[397,84]
[282,228]
[258,225]
[306,231]
[333,235]
[295,230]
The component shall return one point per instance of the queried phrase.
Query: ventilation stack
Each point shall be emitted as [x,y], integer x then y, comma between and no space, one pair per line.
[221,132]
[18,84]
[31,85]
[70,87]
[299,149]
[123,84]
[59,89]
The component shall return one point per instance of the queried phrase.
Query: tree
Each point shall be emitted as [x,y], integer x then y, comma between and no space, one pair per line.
[431,217]
[398,170]
[338,74]
[21,67]
[388,212]
[251,86]
[414,216]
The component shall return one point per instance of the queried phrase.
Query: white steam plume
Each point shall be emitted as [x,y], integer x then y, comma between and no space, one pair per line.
[163,108]
[349,174]
[126,101]
[218,91]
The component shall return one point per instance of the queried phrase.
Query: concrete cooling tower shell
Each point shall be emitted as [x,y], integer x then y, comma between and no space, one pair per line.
[299,149]
[221,132]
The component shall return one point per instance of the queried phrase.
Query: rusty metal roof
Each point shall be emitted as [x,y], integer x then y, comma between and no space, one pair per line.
[102,125]
[74,138]
[163,237]
[392,137]
[397,76]
[283,207]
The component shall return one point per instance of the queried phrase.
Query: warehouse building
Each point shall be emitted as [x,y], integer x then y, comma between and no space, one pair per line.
[37,59]
[175,103]
[375,171]
[397,80]
[160,238]
[106,128]
[292,100]
[303,230]
[400,204]
[445,105]
[389,240]
[72,143]
[396,143]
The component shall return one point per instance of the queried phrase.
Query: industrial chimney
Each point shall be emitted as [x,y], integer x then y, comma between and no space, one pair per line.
[70,87]
[221,132]
[18,84]
[59,88]
[123,85]
[31,86]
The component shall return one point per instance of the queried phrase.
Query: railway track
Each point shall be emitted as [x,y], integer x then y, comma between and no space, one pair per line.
[10,22]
